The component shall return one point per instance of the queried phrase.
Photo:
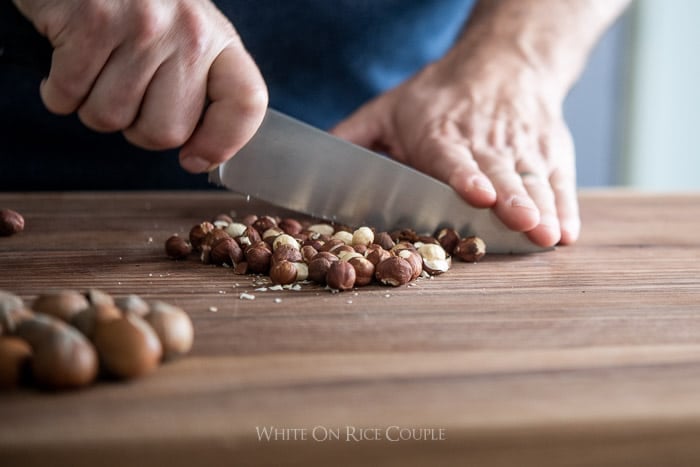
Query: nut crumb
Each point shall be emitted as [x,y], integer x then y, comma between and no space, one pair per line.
[388,295]
[349,302]
[278,300]
[213,309]
[261,289]
[246,296]
[276,287]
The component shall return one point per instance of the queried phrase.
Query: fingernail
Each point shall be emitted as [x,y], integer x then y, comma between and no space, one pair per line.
[520,202]
[195,164]
[483,184]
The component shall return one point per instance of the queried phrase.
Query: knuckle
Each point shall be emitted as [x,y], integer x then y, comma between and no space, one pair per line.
[103,121]
[252,102]
[166,137]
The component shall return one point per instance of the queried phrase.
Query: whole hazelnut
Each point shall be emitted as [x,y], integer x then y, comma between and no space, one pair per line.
[177,248]
[61,304]
[376,254]
[286,252]
[414,259]
[235,229]
[384,240]
[249,219]
[222,218]
[271,234]
[62,357]
[342,250]
[318,269]
[307,253]
[394,271]
[132,304]
[323,229]
[347,255]
[364,270]
[332,244]
[344,236]
[258,256]
[226,251]
[248,237]
[198,232]
[87,320]
[285,239]
[12,312]
[470,249]
[15,360]
[448,239]
[363,236]
[290,226]
[128,347]
[404,235]
[341,276]
[316,244]
[173,327]
[11,222]
[283,272]
[98,297]
[264,223]
[327,255]
[241,268]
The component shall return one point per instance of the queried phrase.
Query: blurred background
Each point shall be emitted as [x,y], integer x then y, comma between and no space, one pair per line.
[635,112]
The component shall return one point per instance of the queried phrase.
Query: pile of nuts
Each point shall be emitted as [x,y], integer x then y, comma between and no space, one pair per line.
[341,258]
[11,222]
[66,339]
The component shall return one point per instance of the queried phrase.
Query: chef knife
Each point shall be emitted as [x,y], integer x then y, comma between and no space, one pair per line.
[294,165]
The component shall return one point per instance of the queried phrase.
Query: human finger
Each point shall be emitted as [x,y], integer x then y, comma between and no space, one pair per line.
[238,99]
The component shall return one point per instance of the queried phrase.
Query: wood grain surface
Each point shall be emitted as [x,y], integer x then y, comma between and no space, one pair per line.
[586,355]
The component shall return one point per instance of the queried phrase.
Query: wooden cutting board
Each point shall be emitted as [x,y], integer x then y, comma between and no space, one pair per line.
[587,355]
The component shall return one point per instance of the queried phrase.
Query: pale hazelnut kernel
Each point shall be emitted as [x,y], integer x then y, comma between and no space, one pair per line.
[431,251]
[341,276]
[363,236]
[435,259]
[302,271]
[323,229]
[347,255]
[235,229]
[345,237]
[285,239]
[272,233]
[307,253]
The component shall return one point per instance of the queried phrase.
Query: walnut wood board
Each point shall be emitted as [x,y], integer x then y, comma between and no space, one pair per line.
[586,355]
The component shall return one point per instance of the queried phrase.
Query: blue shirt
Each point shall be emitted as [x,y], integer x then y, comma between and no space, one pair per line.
[321,59]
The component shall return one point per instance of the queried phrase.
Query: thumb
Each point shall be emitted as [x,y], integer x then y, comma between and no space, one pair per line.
[363,127]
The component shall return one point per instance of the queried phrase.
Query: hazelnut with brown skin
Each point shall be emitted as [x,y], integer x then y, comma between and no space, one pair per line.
[341,276]
[249,237]
[87,320]
[61,304]
[263,223]
[376,254]
[283,272]
[318,268]
[15,361]
[177,248]
[173,327]
[414,259]
[128,347]
[470,249]
[290,226]
[11,222]
[286,253]
[364,270]
[226,251]
[132,304]
[394,271]
[198,232]
[384,240]
[258,257]
[62,357]
[448,239]
[307,253]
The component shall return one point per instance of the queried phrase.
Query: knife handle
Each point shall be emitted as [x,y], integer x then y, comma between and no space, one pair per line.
[20,43]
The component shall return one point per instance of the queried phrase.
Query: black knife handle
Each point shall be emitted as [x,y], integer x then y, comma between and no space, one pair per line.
[20,43]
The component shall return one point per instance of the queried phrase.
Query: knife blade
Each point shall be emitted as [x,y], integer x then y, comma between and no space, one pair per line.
[302,168]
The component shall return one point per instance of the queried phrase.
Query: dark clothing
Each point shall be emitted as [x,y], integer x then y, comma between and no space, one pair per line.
[320,59]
